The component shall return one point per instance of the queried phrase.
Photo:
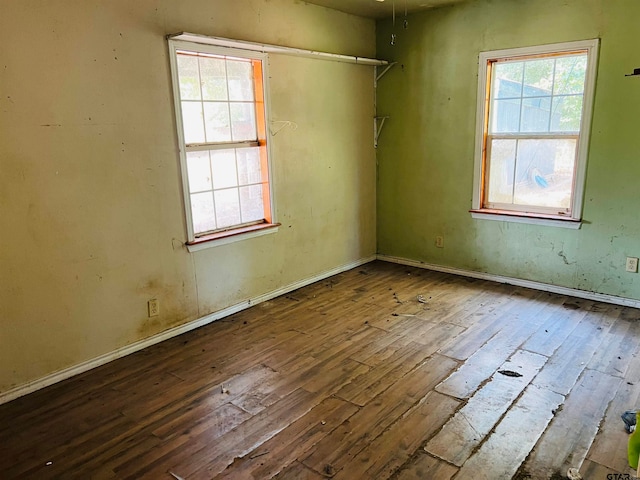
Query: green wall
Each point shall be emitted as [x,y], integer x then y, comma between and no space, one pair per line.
[426,149]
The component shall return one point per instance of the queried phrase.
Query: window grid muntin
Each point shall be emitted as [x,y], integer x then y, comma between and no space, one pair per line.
[259,141]
[520,135]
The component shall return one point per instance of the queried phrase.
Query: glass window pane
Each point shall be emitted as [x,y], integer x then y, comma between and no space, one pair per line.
[188,77]
[508,79]
[199,171]
[538,78]
[192,122]
[501,168]
[227,207]
[216,118]
[240,78]
[223,165]
[535,114]
[567,113]
[544,173]
[214,78]
[249,166]
[202,212]
[505,116]
[251,202]
[570,74]
[243,121]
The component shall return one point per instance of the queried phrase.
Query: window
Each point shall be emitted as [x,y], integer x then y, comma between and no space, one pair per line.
[534,114]
[221,120]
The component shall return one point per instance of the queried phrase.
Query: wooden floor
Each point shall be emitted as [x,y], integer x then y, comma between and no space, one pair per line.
[381,372]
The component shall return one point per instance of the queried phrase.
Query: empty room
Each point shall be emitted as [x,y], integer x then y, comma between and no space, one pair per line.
[350,239]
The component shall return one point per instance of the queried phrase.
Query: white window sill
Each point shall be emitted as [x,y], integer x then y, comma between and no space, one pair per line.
[546,222]
[218,240]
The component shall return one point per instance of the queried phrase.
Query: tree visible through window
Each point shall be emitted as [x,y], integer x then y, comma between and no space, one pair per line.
[533,123]
[222,129]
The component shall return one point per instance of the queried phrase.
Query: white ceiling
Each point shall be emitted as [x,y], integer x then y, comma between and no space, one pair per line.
[375,9]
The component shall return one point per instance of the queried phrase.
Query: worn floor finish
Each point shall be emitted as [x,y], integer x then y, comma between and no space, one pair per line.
[381,372]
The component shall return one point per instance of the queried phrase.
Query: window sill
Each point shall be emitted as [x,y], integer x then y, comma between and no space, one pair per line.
[544,220]
[231,236]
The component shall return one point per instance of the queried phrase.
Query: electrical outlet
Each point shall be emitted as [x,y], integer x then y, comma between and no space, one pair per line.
[632,264]
[440,241]
[154,307]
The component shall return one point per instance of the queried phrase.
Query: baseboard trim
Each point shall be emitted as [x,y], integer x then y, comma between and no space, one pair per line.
[546,287]
[69,372]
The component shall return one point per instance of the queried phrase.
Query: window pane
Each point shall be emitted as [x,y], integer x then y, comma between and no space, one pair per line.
[251,202]
[243,121]
[202,212]
[535,114]
[249,169]
[502,158]
[223,165]
[567,113]
[216,116]
[544,173]
[199,171]
[227,207]
[240,77]
[508,79]
[192,122]
[189,77]
[538,78]
[570,74]
[213,78]
[505,116]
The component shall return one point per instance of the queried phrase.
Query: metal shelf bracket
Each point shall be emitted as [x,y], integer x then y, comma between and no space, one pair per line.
[378,122]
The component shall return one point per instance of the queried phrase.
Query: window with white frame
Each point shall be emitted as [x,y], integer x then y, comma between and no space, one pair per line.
[221,120]
[534,115]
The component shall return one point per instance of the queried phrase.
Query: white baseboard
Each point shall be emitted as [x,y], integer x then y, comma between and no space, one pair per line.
[546,287]
[167,334]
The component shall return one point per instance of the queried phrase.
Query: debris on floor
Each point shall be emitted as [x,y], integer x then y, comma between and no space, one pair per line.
[329,470]
[574,474]
[629,419]
[421,299]
[509,373]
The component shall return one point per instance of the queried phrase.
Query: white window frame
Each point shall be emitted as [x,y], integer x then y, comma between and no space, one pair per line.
[482,124]
[233,234]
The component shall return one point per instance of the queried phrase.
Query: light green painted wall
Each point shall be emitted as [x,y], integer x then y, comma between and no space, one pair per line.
[426,150]
[91,215]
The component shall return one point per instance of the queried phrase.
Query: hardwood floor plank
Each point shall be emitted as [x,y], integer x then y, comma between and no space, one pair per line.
[473,422]
[558,326]
[344,443]
[272,456]
[423,466]
[245,437]
[297,471]
[377,379]
[509,444]
[521,312]
[570,359]
[610,445]
[406,435]
[568,438]
[487,359]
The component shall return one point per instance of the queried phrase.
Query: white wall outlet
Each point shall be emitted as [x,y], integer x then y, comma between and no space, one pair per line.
[154,307]
[440,241]
[632,264]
